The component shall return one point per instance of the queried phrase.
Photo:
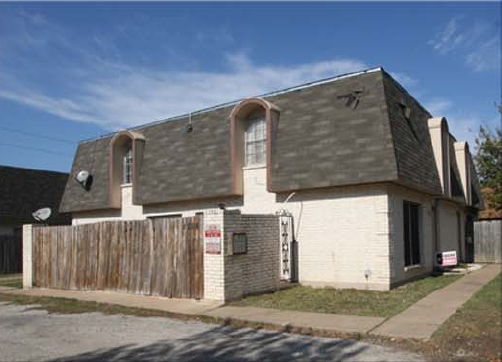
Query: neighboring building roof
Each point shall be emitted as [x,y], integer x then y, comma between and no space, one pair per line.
[23,191]
[320,142]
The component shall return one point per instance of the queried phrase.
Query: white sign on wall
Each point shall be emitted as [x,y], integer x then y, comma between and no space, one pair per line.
[212,239]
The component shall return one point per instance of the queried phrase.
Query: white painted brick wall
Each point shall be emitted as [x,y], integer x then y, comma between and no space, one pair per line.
[341,232]
[214,272]
[128,211]
[448,226]
[397,195]
[447,231]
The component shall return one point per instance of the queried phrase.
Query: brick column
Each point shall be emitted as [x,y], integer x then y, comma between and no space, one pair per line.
[27,256]
[214,262]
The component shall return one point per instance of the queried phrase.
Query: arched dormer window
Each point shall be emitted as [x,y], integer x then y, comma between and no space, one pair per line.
[253,124]
[126,149]
[255,140]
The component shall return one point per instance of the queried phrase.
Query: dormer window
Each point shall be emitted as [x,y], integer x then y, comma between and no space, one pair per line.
[127,179]
[253,128]
[126,150]
[255,142]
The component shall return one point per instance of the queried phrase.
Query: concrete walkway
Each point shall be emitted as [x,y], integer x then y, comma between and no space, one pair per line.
[329,322]
[418,321]
[425,316]
[171,305]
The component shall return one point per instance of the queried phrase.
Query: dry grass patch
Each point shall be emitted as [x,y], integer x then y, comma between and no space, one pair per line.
[349,301]
[474,332]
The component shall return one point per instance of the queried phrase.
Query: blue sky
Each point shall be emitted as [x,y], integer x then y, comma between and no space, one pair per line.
[72,71]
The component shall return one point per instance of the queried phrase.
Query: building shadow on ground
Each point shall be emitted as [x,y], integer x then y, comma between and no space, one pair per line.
[228,344]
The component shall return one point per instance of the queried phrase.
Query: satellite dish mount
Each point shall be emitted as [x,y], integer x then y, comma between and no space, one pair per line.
[42,214]
[84,178]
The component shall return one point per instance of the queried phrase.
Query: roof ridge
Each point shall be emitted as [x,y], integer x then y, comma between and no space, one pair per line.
[225,104]
[32,169]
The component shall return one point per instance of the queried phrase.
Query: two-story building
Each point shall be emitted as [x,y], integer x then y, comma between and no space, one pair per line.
[376,185]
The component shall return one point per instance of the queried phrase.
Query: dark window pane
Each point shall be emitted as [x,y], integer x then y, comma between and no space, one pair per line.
[415,234]
[240,243]
[406,229]
[411,235]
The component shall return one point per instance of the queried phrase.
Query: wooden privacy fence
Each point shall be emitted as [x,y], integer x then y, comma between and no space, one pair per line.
[488,241]
[162,256]
[11,254]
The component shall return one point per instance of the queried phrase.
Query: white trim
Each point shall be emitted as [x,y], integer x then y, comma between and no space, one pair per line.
[254,167]
[413,267]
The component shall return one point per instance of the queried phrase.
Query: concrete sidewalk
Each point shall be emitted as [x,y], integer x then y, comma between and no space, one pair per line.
[425,316]
[330,322]
[171,305]
[320,321]
[418,321]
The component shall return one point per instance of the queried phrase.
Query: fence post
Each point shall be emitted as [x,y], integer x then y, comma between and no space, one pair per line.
[27,256]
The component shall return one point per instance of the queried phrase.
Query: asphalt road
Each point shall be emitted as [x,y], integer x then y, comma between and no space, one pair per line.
[35,335]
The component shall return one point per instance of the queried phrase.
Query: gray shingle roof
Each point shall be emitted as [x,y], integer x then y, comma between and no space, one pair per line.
[23,191]
[320,142]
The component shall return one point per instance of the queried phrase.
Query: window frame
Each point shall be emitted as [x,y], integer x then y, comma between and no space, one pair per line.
[246,243]
[255,134]
[127,166]
[412,234]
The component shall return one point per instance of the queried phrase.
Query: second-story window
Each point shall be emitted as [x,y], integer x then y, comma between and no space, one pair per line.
[255,141]
[127,179]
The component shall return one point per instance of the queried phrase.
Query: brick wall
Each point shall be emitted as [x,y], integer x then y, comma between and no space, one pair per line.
[227,276]
[342,232]
[400,273]
[258,269]
[214,264]
[449,227]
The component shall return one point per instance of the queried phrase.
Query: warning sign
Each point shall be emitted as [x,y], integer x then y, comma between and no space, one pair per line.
[212,239]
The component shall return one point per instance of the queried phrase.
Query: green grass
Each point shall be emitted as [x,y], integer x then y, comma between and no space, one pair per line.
[475,330]
[12,282]
[349,301]
[75,306]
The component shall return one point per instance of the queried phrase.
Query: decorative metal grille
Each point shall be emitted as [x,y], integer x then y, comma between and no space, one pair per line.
[286,263]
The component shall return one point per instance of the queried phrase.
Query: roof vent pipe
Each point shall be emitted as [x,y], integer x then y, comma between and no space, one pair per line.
[189,126]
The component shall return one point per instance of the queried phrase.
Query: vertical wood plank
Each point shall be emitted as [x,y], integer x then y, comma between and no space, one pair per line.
[163,256]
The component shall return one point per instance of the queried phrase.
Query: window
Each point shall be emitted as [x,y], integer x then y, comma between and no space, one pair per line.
[239,243]
[255,142]
[411,233]
[128,166]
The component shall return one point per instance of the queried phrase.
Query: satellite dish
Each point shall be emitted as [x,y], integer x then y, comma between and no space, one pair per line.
[84,178]
[42,214]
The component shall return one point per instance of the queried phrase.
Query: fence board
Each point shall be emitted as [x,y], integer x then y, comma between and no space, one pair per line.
[161,257]
[11,250]
[488,241]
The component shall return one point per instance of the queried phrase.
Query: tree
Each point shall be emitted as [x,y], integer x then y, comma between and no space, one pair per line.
[488,160]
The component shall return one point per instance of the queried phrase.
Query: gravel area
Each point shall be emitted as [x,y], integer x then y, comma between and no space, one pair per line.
[31,334]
